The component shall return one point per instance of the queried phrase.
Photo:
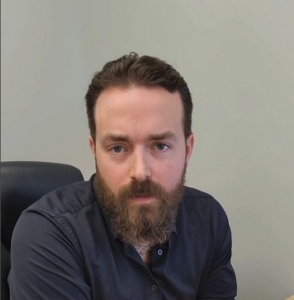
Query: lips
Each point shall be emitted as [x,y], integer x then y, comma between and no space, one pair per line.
[142,199]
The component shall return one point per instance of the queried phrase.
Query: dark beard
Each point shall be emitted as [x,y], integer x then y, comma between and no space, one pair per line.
[138,223]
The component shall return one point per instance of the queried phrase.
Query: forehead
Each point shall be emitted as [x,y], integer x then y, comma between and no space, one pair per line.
[138,108]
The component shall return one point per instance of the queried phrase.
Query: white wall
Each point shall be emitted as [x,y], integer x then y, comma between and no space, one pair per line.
[45,70]
[238,59]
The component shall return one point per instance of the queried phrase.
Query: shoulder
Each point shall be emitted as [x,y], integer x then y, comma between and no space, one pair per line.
[197,199]
[194,193]
[48,241]
[62,215]
[202,209]
[69,199]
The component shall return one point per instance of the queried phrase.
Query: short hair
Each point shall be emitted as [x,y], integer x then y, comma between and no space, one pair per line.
[133,70]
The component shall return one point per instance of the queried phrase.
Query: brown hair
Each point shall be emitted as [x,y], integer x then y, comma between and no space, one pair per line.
[139,71]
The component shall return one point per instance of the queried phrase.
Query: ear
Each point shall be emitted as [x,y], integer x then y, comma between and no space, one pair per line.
[189,147]
[92,146]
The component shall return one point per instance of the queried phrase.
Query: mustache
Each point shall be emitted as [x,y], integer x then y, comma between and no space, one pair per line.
[142,189]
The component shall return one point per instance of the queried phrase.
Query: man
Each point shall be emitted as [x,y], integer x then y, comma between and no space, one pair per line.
[133,231]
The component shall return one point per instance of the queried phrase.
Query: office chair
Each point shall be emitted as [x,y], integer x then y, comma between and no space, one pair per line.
[23,183]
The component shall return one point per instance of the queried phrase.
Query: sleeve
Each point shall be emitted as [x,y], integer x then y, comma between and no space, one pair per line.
[220,282]
[44,261]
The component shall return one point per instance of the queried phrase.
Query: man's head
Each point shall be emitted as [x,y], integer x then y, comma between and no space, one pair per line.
[133,70]
[139,112]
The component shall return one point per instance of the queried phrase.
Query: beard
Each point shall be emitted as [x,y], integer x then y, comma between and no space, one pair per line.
[135,223]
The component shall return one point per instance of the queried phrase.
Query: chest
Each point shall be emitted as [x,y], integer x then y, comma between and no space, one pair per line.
[144,251]
[142,273]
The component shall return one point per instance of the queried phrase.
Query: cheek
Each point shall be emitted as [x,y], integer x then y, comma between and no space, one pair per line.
[114,176]
[170,174]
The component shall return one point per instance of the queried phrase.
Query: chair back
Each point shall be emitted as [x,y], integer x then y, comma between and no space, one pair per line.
[23,183]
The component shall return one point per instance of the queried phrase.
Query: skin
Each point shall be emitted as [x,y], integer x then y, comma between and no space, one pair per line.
[139,136]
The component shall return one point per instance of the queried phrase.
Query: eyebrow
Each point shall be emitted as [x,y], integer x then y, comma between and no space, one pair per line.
[112,137]
[162,136]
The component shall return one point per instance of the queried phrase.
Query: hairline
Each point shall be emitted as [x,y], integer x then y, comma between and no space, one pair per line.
[130,85]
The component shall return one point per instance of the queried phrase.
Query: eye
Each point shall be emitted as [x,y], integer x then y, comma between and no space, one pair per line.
[161,146]
[117,149]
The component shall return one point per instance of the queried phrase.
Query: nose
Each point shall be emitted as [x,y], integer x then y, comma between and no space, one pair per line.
[140,166]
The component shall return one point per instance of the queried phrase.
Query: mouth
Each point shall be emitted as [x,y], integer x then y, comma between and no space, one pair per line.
[142,199]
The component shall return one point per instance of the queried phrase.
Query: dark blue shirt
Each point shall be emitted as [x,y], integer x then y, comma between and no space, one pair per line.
[63,248]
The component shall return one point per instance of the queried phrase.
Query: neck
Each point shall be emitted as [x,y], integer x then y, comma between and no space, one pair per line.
[144,250]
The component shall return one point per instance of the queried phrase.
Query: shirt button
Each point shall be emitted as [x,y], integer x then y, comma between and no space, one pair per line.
[153,287]
[159,252]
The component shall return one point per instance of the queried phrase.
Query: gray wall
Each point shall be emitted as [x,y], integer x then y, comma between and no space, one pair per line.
[238,59]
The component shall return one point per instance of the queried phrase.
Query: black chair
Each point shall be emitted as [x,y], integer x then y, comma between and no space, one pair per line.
[23,183]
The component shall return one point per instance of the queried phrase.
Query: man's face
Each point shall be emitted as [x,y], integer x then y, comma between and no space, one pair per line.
[139,138]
